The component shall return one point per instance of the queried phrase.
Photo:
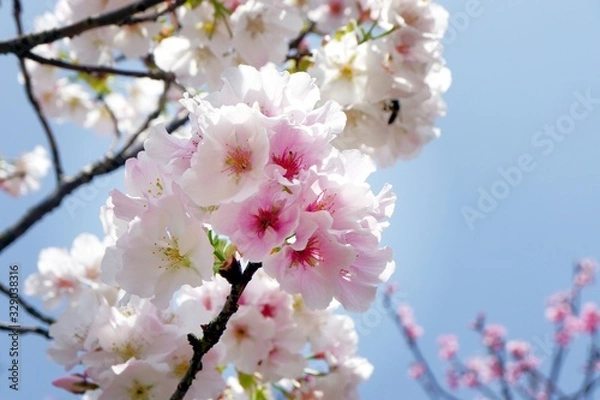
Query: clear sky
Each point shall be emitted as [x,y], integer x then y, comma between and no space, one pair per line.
[519,69]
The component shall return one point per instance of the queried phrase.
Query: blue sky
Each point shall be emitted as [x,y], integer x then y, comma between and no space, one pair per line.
[518,69]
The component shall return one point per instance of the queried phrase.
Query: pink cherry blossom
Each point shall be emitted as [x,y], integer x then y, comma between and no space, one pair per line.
[493,336]
[590,318]
[405,313]
[231,158]
[260,223]
[312,262]
[166,246]
[416,370]
[448,345]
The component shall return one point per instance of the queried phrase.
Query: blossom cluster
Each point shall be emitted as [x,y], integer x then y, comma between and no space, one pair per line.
[257,180]
[388,73]
[23,175]
[381,60]
[130,349]
[259,169]
[515,363]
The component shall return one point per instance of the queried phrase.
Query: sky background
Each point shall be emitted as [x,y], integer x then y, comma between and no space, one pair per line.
[517,67]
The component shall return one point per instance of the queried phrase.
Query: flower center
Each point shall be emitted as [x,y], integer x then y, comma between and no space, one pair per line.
[171,257]
[255,26]
[139,391]
[240,332]
[290,161]
[309,256]
[335,7]
[347,72]
[238,161]
[266,219]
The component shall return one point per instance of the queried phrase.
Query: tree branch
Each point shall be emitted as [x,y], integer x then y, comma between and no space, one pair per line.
[499,354]
[34,103]
[587,389]
[30,309]
[434,388]
[154,16]
[21,330]
[54,199]
[97,69]
[214,330]
[21,45]
[162,101]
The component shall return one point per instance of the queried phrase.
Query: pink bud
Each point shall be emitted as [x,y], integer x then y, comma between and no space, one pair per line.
[416,370]
[76,383]
[448,346]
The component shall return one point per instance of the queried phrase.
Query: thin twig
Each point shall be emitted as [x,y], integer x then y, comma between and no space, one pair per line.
[111,115]
[154,16]
[97,69]
[34,103]
[23,330]
[23,44]
[539,377]
[30,309]
[431,386]
[592,360]
[54,199]
[214,330]
[162,101]
[499,355]
[587,389]
[480,387]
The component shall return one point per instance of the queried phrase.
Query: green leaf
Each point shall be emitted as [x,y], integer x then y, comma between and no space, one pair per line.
[260,394]
[98,83]
[246,381]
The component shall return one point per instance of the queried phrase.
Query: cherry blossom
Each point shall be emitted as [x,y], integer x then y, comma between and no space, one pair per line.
[24,174]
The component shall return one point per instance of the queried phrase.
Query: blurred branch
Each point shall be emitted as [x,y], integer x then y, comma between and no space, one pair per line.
[590,366]
[30,309]
[584,391]
[499,356]
[430,386]
[54,199]
[96,69]
[21,330]
[481,387]
[559,350]
[34,103]
[21,45]
[154,16]
[112,116]
[212,331]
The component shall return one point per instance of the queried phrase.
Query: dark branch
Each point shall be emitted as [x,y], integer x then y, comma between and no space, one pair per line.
[21,45]
[30,309]
[68,185]
[22,330]
[34,103]
[99,70]
[214,330]
[112,116]
[153,16]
